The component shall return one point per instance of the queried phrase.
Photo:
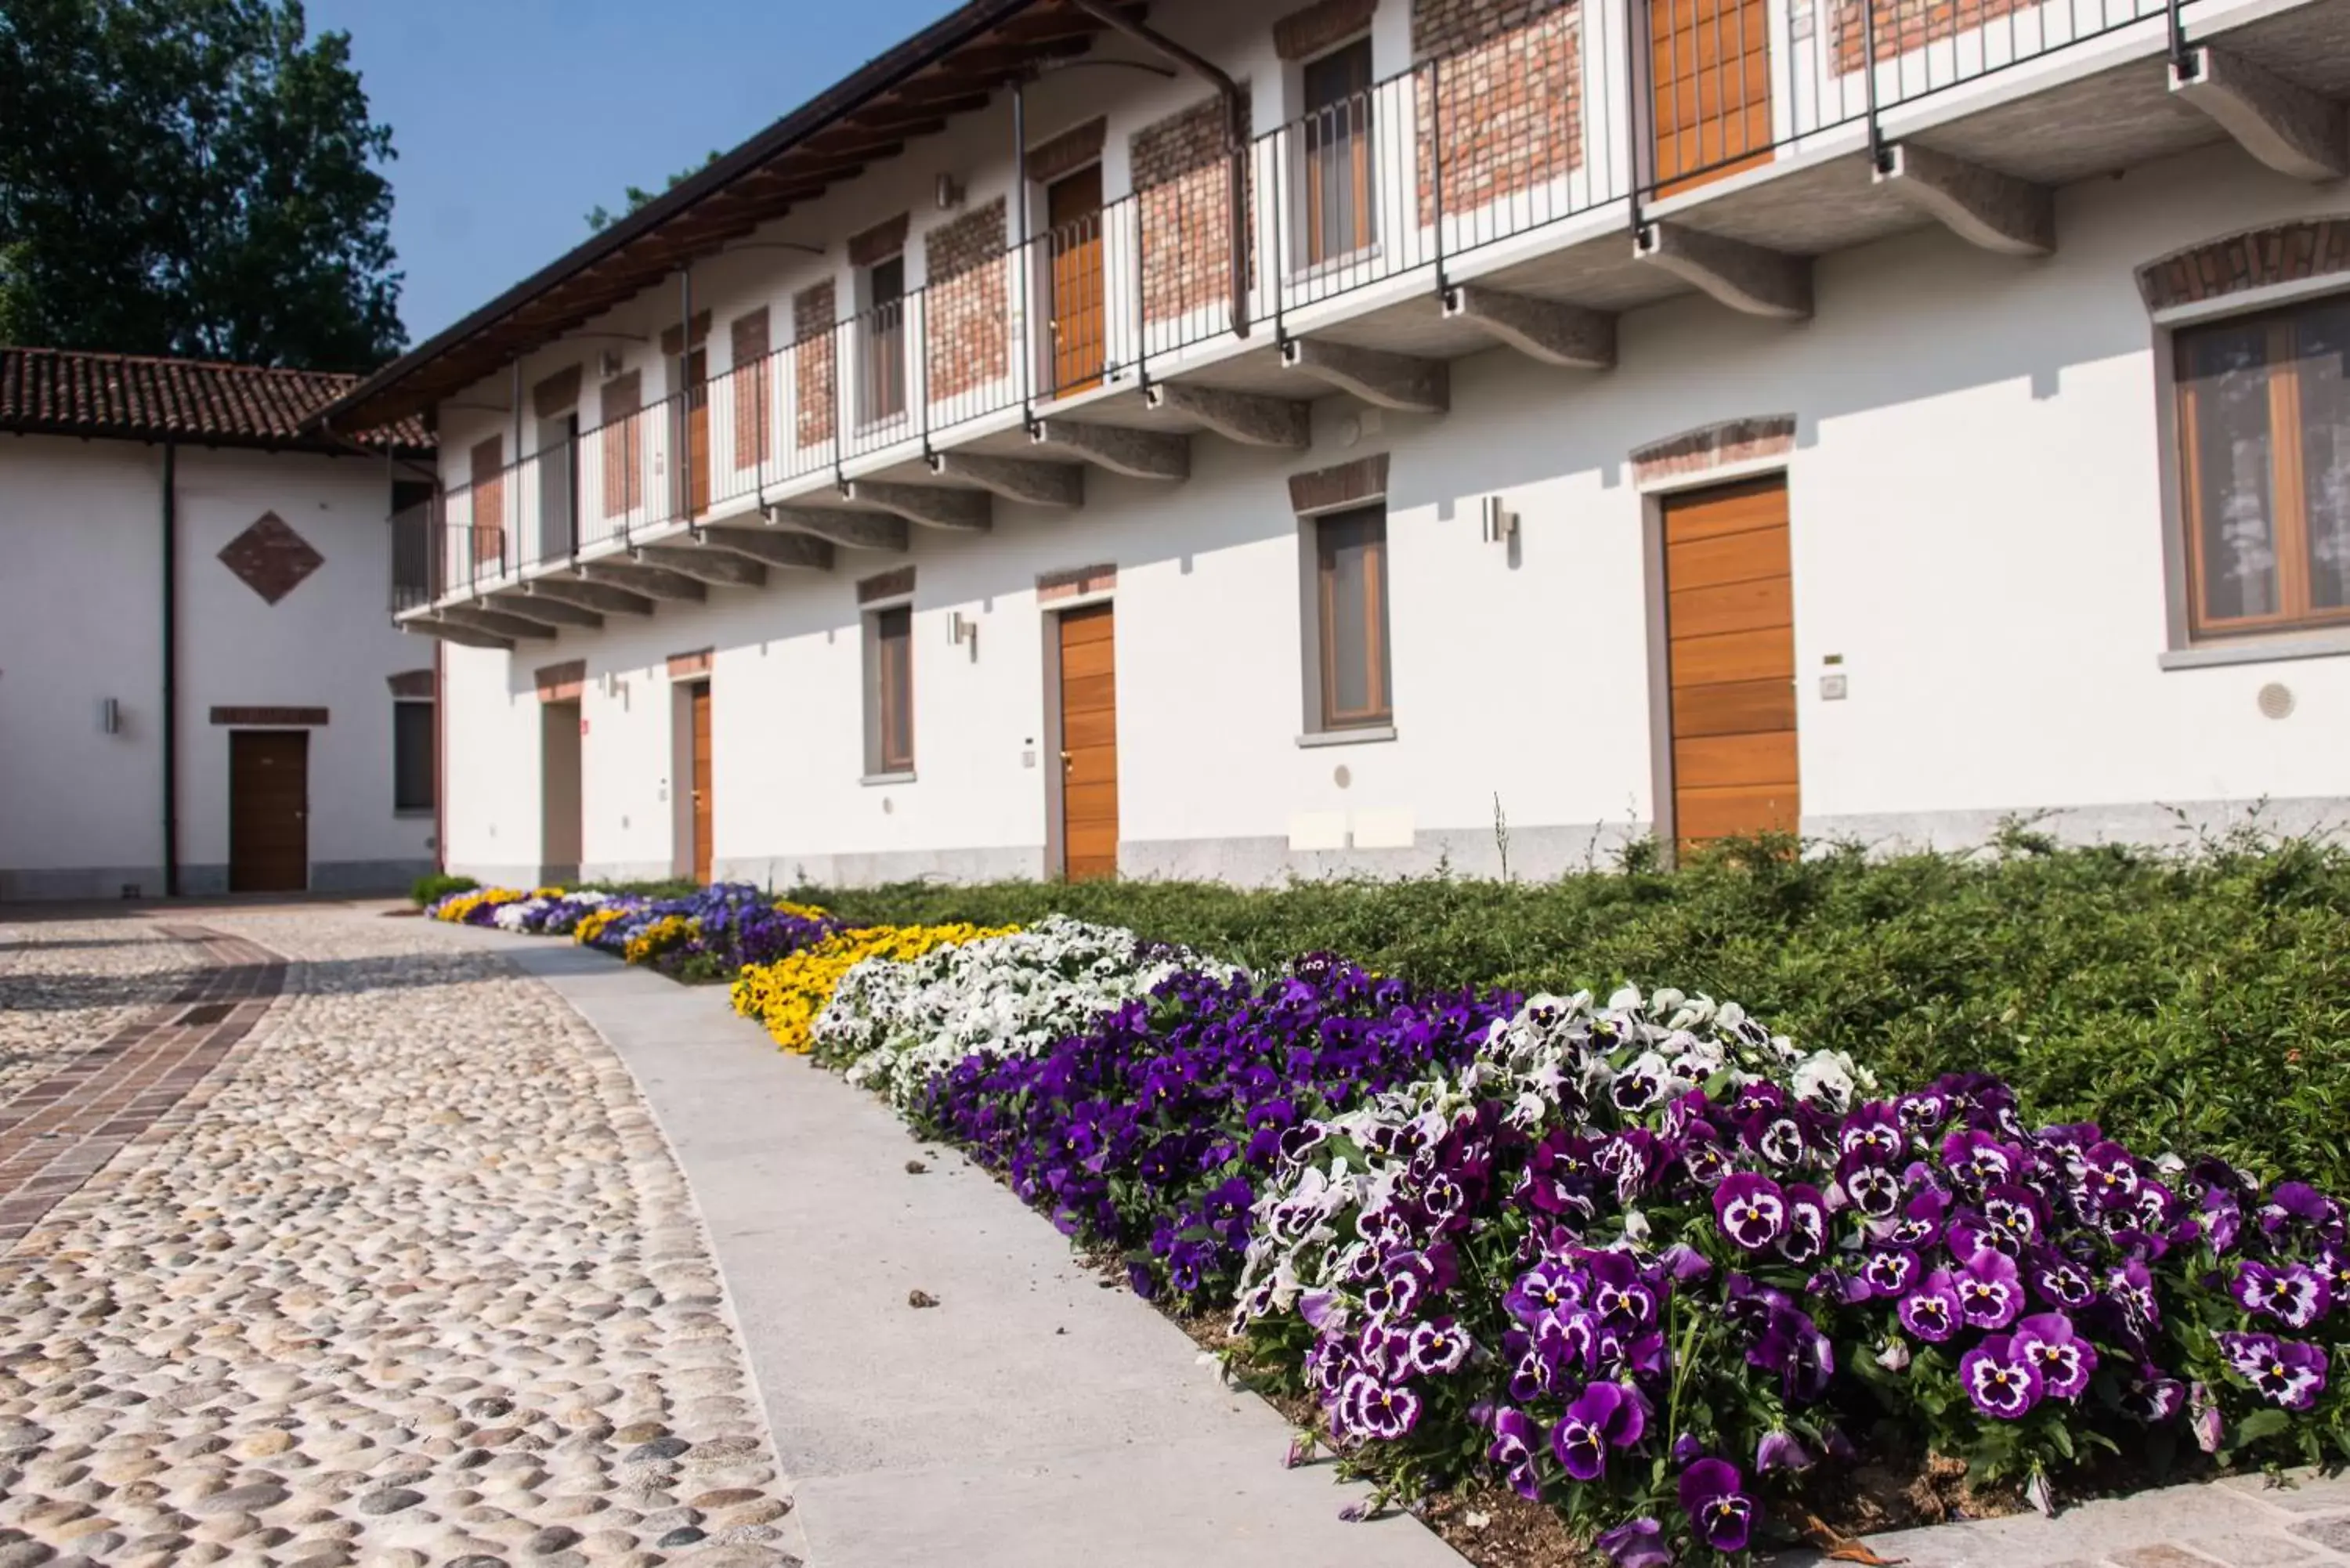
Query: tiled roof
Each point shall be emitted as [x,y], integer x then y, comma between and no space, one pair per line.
[59,392]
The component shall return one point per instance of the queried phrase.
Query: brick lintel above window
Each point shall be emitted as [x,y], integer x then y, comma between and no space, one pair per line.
[880,242]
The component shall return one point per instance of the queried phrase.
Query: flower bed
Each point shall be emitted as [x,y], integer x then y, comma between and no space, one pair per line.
[1642,1262]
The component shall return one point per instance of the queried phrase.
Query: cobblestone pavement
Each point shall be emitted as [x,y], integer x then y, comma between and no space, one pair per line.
[411,1278]
[77,983]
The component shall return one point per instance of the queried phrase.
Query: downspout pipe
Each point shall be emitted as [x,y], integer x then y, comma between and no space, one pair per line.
[1236,136]
[171,704]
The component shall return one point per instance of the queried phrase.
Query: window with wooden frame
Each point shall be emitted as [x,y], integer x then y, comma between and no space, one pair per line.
[2265,469]
[1350,553]
[890,701]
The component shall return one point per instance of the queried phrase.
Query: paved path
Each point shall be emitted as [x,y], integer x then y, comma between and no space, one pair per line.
[1032,1419]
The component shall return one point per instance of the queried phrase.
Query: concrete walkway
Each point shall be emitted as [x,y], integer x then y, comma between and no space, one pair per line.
[1032,1418]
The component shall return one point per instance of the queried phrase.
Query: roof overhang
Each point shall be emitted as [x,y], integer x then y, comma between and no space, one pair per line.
[951,67]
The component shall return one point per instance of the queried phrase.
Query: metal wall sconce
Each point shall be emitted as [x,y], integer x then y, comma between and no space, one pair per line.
[949,193]
[1500,522]
[109,716]
[963,632]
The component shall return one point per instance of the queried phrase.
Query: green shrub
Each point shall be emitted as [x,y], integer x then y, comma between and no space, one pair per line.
[431,889]
[2194,1000]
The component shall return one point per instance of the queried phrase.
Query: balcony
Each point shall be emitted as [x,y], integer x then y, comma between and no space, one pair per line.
[1523,193]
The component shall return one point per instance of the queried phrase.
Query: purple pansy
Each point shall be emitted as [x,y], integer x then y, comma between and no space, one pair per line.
[1990,1291]
[2293,1294]
[1751,1209]
[1602,1417]
[2001,1380]
[1516,1437]
[2061,1357]
[1436,1347]
[1714,1495]
[1779,1450]
[2287,1372]
[1637,1543]
[1932,1311]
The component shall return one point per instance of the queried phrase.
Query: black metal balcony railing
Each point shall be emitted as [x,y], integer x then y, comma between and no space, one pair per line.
[1584,110]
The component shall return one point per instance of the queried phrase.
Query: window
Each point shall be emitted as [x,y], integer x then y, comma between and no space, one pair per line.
[883,374]
[1351,591]
[2265,453]
[411,756]
[889,710]
[415,542]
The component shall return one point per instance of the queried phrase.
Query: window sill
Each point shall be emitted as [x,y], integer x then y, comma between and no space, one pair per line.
[418,813]
[2268,651]
[906,777]
[1361,736]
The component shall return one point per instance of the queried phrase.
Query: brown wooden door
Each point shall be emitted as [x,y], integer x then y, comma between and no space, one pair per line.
[701,783]
[488,499]
[1709,66]
[1089,743]
[697,432]
[1338,205]
[1073,213]
[268,810]
[1731,642]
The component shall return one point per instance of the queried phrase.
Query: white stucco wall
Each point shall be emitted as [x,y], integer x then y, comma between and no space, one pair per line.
[80,621]
[1978,501]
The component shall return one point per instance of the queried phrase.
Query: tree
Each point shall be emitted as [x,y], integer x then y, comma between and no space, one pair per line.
[195,178]
[599,218]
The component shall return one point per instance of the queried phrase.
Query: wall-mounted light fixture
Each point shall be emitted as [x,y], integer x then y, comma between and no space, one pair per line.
[611,362]
[1500,522]
[949,193]
[109,716]
[963,632]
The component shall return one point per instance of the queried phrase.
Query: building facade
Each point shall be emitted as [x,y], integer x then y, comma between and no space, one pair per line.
[1404,432]
[197,691]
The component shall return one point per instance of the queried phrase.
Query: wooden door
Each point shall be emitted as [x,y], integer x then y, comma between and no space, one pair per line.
[268,810]
[1338,209]
[1073,214]
[697,432]
[701,783]
[1089,743]
[1731,644]
[488,497]
[1709,69]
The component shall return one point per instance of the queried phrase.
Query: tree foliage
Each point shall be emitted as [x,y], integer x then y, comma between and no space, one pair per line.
[600,217]
[192,177]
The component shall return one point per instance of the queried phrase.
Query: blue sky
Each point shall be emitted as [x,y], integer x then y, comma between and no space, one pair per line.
[512,118]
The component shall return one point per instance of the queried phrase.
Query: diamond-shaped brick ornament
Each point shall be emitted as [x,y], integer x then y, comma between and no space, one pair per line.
[270,558]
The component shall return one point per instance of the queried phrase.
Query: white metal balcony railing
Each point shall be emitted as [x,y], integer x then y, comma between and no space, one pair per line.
[1387,184]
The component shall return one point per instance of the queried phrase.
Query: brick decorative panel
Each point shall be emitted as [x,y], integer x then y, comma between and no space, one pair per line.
[1067,152]
[1504,104]
[1712,446]
[1069,584]
[750,376]
[270,558]
[1182,171]
[682,666]
[1305,33]
[673,341]
[812,368]
[964,327]
[1903,26]
[879,243]
[2282,253]
[1347,484]
[894,584]
[556,393]
[281,717]
[410,683]
[561,682]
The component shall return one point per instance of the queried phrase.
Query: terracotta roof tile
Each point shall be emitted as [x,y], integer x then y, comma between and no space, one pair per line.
[62,392]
